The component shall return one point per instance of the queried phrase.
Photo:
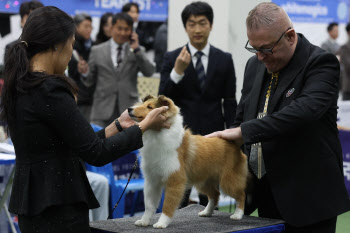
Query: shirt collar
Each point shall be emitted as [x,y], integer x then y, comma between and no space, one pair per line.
[115,45]
[205,50]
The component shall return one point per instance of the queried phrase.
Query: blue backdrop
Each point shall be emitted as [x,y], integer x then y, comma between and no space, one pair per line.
[316,11]
[151,10]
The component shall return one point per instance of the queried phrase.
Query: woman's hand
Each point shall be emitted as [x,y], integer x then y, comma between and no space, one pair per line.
[155,120]
[125,120]
[233,134]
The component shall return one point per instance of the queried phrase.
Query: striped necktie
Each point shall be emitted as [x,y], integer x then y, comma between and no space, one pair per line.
[119,55]
[200,69]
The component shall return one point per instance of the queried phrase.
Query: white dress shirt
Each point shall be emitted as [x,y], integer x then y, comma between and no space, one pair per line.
[205,59]
[114,51]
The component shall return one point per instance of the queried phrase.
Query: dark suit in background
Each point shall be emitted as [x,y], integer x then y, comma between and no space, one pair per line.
[212,108]
[304,181]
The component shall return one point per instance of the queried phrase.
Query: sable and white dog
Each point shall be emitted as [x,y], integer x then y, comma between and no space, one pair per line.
[173,158]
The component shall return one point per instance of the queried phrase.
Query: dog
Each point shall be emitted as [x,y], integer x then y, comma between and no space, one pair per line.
[174,158]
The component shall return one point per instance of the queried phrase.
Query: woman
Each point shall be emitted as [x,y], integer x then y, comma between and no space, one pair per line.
[104,32]
[50,191]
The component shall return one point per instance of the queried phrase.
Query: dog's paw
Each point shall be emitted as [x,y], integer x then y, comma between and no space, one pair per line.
[204,213]
[236,216]
[160,225]
[142,223]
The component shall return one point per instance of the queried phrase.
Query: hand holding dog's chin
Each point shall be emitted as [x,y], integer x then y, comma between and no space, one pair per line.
[155,120]
[125,120]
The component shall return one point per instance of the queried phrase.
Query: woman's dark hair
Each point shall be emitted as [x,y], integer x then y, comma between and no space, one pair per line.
[45,28]
[127,7]
[123,16]
[101,36]
[197,8]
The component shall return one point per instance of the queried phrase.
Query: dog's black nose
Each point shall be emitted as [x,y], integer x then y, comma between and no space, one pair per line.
[130,110]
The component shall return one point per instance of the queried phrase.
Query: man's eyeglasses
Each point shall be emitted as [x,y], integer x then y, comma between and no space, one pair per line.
[265,51]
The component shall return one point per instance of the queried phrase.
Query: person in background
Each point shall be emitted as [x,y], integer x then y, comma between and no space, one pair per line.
[82,47]
[200,78]
[132,9]
[331,45]
[105,30]
[24,11]
[144,30]
[344,54]
[160,45]
[113,66]
[50,191]
[287,122]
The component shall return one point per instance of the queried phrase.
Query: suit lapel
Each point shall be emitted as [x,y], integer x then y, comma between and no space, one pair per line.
[289,73]
[255,92]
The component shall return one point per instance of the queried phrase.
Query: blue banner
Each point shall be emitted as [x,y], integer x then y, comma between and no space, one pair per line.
[150,10]
[316,11]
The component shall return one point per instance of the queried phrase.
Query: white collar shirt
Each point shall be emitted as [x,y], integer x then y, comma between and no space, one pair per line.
[114,51]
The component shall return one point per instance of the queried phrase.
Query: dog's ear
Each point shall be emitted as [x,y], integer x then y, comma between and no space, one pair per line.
[163,101]
[148,97]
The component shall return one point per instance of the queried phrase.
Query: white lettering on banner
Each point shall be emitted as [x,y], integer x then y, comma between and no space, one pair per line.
[314,10]
[346,166]
[347,155]
[118,4]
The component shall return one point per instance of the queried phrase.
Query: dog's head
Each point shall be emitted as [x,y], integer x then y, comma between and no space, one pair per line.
[140,110]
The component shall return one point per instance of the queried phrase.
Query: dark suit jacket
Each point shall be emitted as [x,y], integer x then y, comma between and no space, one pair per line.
[202,109]
[299,136]
[50,136]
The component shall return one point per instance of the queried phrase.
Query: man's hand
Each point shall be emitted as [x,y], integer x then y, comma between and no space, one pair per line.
[233,134]
[134,42]
[83,66]
[182,61]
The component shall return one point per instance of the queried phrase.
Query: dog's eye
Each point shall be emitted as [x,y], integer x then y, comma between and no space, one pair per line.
[149,107]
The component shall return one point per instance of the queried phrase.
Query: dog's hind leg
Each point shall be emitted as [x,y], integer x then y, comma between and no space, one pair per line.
[234,187]
[152,195]
[210,189]
[174,191]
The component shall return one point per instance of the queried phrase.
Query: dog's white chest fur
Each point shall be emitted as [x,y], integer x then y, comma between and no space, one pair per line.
[159,156]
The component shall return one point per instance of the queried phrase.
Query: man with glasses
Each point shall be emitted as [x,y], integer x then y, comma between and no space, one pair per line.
[286,121]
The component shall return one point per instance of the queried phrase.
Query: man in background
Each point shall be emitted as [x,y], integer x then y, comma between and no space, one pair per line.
[113,66]
[200,78]
[344,54]
[24,11]
[82,47]
[331,45]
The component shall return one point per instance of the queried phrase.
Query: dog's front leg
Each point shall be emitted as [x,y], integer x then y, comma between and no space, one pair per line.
[174,191]
[152,195]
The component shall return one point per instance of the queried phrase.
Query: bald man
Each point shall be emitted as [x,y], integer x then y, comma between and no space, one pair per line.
[286,120]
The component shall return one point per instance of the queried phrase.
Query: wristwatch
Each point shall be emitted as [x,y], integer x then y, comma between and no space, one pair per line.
[135,50]
[118,125]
